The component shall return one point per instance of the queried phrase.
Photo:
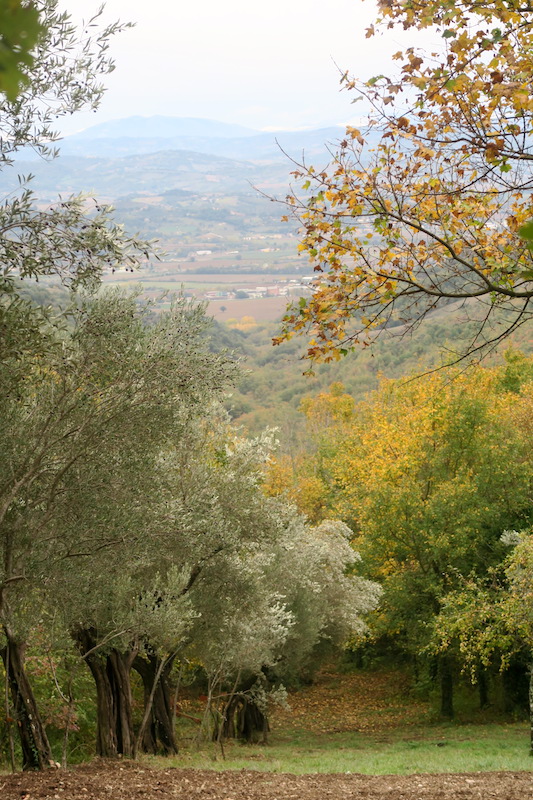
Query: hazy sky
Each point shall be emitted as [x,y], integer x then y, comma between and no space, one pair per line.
[269,64]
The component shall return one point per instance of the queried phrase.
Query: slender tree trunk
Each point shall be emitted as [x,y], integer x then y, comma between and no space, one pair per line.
[226,718]
[531,708]
[36,750]
[158,735]
[9,719]
[483,687]
[111,674]
[446,687]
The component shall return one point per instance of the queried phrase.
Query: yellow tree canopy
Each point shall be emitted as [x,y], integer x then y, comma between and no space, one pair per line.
[430,204]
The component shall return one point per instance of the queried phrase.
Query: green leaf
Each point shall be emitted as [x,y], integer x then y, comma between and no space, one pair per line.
[526,231]
[449,34]
[20,29]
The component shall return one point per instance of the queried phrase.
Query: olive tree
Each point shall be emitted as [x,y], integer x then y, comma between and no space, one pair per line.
[80,441]
[74,238]
[20,28]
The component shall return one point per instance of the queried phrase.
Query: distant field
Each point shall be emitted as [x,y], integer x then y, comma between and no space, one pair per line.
[263,309]
[192,279]
[236,278]
[366,722]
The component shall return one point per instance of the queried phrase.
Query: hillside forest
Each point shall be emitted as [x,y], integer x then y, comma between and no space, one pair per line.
[190,506]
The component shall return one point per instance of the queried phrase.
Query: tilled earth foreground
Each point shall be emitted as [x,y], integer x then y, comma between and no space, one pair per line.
[125,781]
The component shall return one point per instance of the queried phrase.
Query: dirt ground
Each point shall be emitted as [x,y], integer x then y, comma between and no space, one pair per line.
[102,780]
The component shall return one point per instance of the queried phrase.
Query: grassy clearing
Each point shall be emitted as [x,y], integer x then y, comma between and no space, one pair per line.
[439,748]
[363,722]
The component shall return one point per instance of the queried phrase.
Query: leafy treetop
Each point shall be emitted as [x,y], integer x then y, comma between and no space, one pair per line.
[74,238]
[431,204]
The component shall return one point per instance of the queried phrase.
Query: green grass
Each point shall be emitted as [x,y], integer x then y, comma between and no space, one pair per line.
[439,748]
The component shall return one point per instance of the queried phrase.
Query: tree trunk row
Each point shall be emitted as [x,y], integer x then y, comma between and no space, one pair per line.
[111,673]
[114,733]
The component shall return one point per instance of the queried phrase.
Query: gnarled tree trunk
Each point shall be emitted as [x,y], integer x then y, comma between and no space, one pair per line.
[36,751]
[244,720]
[158,736]
[111,673]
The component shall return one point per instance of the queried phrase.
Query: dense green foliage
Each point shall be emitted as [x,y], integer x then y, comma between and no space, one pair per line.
[273,385]
[428,473]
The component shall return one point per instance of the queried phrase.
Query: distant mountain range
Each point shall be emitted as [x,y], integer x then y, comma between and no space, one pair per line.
[153,155]
[140,135]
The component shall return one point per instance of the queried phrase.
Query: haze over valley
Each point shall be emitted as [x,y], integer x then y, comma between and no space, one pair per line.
[201,188]
[203,191]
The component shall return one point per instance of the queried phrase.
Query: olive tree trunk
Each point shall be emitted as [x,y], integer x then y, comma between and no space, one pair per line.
[158,735]
[36,751]
[244,720]
[111,674]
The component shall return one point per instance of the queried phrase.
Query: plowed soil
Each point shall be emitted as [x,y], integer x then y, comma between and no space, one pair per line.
[102,780]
